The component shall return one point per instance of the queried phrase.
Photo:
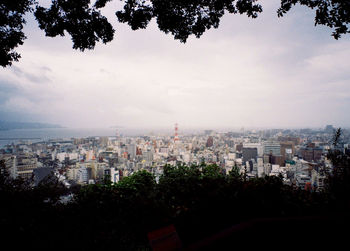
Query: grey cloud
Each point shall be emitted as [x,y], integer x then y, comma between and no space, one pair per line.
[35,78]
[263,72]
[6,90]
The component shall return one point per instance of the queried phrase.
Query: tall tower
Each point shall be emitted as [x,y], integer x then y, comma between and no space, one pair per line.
[176,138]
[117,133]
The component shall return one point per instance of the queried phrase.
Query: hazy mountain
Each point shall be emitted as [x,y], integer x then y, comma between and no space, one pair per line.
[9,125]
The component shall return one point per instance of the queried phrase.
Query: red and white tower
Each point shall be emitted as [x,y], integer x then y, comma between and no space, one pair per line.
[176,138]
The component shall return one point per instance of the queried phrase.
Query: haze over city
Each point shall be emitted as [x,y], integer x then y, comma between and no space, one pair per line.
[264,72]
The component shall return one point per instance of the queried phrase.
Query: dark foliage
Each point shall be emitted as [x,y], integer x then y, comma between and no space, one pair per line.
[332,13]
[198,200]
[11,28]
[85,25]
[183,18]
[84,22]
[338,179]
[29,214]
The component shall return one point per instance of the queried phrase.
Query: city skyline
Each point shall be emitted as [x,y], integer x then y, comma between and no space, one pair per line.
[266,72]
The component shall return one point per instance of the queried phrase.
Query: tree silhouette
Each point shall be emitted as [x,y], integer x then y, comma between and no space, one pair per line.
[83,20]
[197,200]
[332,13]
[11,25]
[338,178]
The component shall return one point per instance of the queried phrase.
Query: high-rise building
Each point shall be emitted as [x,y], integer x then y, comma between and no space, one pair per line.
[210,141]
[287,150]
[273,148]
[295,140]
[132,151]
[277,160]
[311,154]
[25,166]
[239,147]
[249,153]
[258,146]
[148,156]
[83,175]
[104,141]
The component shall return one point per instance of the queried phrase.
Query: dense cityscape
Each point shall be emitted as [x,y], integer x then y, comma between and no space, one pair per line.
[298,156]
[174,125]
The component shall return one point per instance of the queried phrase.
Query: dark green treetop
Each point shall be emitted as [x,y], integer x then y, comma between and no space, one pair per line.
[83,21]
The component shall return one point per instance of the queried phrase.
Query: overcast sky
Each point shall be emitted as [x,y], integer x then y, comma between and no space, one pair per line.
[266,72]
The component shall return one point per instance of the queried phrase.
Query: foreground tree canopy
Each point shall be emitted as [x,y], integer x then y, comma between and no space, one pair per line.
[82,19]
[199,201]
